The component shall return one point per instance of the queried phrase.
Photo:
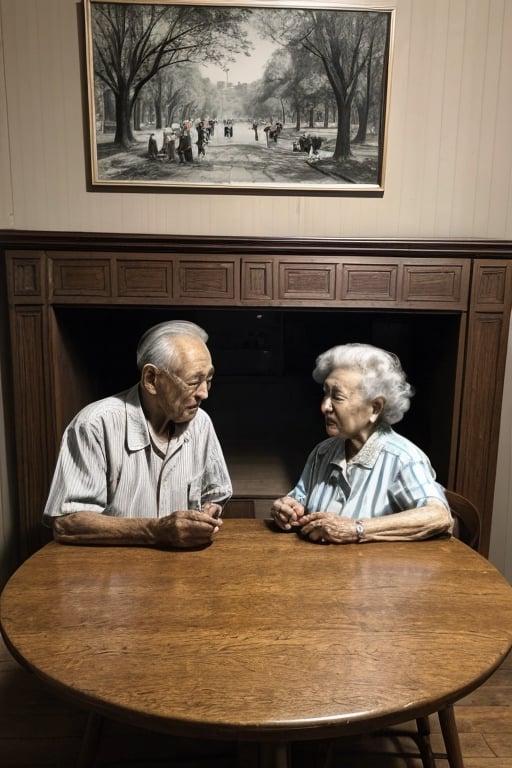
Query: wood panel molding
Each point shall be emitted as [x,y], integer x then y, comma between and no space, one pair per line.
[46,271]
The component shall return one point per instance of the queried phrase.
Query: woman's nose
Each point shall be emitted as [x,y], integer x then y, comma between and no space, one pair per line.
[326,404]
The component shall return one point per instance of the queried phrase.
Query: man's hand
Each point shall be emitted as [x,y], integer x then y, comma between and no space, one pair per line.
[188,528]
[214,510]
[287,512]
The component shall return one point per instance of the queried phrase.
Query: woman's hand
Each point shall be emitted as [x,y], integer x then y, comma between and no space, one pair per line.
[328,529]
[416,524]
[287,512]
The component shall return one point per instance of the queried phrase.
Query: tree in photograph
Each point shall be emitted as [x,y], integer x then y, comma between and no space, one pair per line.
[342,41]
[133,42]
[366,99]
[274,85]
[174,87]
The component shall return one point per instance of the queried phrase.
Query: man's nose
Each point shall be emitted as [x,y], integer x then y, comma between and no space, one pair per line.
[202,391]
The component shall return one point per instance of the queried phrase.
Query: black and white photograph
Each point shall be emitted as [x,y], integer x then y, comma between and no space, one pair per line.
[217,97]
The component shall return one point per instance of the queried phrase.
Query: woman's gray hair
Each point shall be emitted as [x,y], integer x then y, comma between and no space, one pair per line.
[156,346]
[382,376]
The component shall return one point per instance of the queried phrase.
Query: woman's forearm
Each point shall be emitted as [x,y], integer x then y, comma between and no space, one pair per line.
[420,523]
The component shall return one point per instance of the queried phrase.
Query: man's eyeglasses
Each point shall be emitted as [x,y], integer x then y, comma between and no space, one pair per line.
[190,386]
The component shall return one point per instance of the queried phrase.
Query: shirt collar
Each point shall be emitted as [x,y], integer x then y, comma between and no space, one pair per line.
[368,454]
[137,432]
[370,451]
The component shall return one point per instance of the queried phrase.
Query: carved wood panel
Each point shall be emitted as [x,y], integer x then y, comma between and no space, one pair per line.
[436,284]
[369,282]
[80,277]
[476,465]
[34,455]
[148,279]
[228,274]
[26,279]
[307,281]
[206,280]
[257,281]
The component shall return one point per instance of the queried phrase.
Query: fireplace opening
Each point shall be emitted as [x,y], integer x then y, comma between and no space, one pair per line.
[264,403]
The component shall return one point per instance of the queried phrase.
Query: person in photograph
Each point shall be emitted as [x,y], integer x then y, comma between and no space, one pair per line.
[152,147]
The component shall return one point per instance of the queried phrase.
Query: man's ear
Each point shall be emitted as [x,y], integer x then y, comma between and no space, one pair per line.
[148,378]
[377,408]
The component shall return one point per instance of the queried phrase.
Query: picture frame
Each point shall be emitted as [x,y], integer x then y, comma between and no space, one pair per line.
[238,96]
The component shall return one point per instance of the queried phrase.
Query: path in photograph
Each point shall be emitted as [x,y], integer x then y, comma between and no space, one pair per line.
[240,161]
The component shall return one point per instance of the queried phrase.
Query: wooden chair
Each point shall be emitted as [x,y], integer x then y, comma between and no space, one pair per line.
[467,519]
[467,528]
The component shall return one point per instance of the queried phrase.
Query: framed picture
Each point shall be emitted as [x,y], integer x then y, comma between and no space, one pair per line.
[229,96]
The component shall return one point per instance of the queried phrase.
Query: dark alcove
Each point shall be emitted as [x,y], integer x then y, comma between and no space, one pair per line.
[264,402]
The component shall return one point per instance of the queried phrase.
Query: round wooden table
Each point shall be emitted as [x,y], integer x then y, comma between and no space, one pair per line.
[262,636]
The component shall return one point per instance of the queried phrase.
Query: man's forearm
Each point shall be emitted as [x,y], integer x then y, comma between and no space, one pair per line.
[95,528]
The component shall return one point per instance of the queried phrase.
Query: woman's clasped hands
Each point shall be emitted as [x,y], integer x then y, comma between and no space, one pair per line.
[289,514]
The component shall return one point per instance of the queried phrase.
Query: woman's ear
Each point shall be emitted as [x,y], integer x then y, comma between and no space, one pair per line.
[377,408]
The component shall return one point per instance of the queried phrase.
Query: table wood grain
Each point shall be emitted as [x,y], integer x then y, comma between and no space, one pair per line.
[261,636]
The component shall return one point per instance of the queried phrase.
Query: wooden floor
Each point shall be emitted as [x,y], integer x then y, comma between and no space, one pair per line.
[39,729]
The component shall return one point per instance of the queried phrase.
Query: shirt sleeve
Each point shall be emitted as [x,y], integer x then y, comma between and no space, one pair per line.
[414,485]
[215,481]
[302,488]
[80,480]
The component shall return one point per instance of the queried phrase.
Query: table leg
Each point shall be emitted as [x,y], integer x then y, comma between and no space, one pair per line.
[281,755]
[451,737]
[264,755]
[89,747]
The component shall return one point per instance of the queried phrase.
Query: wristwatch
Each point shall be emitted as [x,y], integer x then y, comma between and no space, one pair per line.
[359,531]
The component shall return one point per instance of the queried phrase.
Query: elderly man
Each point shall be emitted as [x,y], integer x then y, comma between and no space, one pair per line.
[145,467]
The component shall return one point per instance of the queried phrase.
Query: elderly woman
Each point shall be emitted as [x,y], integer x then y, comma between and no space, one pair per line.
[365,482]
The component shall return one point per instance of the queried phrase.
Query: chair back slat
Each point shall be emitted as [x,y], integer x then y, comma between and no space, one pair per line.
[467,519]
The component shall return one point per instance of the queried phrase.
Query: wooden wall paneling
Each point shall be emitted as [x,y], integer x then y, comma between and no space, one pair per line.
[129,271]
[443,284]
[33,447]
[368,284]
[257,281]
[199,280]
[25,276]
[483,387]
[73,275]
[31,372]
[457,399]
[313,282]
[144,278]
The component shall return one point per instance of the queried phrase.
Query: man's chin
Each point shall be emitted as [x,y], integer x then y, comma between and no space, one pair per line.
[187,415]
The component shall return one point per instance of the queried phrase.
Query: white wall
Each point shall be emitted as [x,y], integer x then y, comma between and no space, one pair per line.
[449,154]
[6,212]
